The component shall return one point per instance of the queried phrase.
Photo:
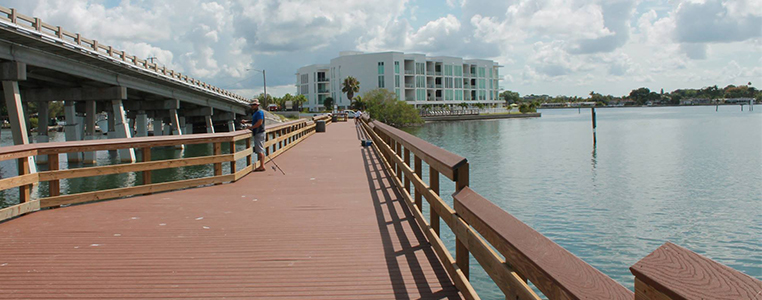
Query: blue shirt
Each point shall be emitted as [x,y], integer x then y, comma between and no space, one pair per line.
[256,116]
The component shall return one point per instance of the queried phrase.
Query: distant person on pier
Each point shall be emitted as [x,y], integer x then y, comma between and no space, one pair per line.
[258,131]
[358,114]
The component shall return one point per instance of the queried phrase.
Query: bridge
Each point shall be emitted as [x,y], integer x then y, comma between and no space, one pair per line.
[342,221]
[40,63]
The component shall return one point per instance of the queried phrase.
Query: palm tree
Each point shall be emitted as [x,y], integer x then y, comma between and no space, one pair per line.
[358,103]
[350,86]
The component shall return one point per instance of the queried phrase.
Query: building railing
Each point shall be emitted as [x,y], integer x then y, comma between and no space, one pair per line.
[449,112]
[409,72]
[410,85]
[60,36]
[515,255]
[279,138]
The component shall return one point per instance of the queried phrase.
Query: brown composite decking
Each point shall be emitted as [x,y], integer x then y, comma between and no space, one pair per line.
[333,227]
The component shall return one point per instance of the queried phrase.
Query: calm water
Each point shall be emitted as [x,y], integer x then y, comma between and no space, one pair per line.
[688,175]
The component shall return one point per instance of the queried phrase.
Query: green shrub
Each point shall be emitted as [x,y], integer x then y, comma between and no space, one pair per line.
[382,105]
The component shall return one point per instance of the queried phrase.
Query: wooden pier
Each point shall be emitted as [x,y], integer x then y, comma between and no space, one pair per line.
[344,222]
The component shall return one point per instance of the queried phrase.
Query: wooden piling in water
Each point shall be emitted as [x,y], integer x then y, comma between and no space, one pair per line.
[592,109]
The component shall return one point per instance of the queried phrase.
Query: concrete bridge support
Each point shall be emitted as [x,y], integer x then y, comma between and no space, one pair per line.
[42,128]
[11,74]
[157,127]
[122,130]
[70,130]
[141,122]
[90,115]
[209,124]
[174,120]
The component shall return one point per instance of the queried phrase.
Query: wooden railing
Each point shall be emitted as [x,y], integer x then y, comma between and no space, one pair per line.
[279,138]
[61,36]
[514,255]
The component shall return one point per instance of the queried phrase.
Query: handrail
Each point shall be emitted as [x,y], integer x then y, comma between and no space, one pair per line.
[446,162]
[62,36]
[674,272]
[279,138]
[522,255]
[553,269]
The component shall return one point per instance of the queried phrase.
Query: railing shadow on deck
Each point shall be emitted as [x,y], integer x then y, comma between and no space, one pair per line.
[279,138]
[514,255]
[390,201]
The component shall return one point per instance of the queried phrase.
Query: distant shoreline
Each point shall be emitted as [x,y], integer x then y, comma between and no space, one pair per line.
[480,117]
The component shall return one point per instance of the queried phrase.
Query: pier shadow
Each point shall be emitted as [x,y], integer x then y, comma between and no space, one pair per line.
[411,243]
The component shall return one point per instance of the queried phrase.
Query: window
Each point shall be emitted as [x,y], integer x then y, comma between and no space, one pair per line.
[420,81]
[490,73]
[396,81]
[380,68]
[490,84]
[448,95]
[458,70]
[397,91]
[305,78]
[458,83]
[420,68]
[448,82]
[381,81]
[448,70]
[396,67]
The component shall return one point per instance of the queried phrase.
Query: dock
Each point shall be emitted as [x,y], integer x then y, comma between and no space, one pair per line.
[343,222]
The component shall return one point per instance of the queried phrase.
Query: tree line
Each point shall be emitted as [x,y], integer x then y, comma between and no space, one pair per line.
[643,95]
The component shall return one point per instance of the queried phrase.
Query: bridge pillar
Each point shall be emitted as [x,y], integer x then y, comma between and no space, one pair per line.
[141,122]
[111,125]
[209,124]
[42,128]
[13,103]
[174,120]
[90,115]
[167,127]
[70,129]
[157,127]
[121,130]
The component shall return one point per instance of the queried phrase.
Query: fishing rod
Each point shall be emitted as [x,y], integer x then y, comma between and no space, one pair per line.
[276,165]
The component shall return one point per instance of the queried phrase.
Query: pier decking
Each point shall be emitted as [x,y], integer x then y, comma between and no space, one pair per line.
[334,227]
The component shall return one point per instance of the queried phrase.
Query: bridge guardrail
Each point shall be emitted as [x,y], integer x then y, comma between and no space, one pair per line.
[514,255]
[279,138]
[60,35]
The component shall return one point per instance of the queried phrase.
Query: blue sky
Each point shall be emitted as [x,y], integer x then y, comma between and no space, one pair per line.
[554,47]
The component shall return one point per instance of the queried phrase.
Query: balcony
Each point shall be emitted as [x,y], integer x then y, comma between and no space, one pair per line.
[439,86]
[323,80]
[409,72]
[323,91]
[409,85]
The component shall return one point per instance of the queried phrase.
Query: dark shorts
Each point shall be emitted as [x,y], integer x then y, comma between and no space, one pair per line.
[259,143]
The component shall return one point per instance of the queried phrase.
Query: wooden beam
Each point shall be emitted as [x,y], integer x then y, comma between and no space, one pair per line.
[75,94]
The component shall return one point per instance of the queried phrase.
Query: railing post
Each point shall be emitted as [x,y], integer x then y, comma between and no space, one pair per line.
[399,167]
[407,178]
[54,186]
[23,166]
[434,186]
[419,172]
[461,252]
[146,153]
[232,163]
[217,166]
[248,157]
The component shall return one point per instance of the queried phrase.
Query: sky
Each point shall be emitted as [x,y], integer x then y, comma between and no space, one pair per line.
[553,47]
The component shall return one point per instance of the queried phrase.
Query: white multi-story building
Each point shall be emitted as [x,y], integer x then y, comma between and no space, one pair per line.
[415,78]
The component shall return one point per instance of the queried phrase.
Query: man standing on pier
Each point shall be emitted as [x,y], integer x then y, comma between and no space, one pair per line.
[258,131]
